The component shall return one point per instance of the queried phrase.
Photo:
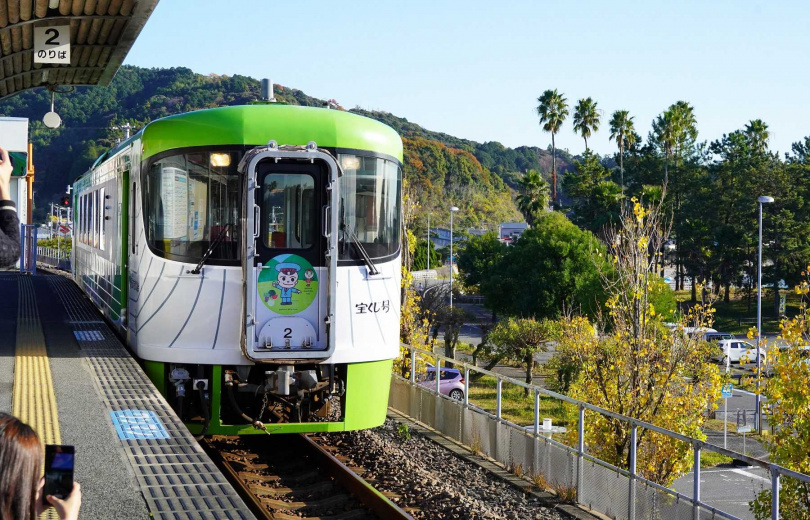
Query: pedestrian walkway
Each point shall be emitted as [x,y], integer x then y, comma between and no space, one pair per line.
[64,372]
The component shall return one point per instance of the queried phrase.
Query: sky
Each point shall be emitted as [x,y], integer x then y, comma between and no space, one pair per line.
[475,69]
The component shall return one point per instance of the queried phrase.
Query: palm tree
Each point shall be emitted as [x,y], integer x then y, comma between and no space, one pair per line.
[687,124]
[663,130]
[552,111]
[758,135]
[586,119]
[673,129]
[533,199]
[623,132]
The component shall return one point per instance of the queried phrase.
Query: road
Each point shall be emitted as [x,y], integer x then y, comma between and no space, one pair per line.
[731,487]
[727,488]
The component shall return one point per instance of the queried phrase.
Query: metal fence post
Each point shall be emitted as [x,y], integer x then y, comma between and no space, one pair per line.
[774,494]
[437,374]
[580,453]
[34,248]
[498,399]
[632,496]
[413,366]
[466,386]
[696,484]
[536,412]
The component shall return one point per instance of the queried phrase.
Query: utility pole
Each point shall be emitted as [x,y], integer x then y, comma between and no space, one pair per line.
[428,244]
[453,209]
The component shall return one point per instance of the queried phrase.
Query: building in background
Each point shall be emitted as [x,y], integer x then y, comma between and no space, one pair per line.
[508,232]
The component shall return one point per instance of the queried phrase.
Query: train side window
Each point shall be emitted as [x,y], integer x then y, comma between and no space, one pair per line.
[83,217]
[132,212]
[87,209]
[102,220]
[95,219]
[77,228]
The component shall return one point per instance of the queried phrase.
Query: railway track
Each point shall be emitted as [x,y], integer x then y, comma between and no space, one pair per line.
[286,477]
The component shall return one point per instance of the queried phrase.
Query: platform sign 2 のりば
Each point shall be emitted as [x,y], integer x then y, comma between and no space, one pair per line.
[52,44]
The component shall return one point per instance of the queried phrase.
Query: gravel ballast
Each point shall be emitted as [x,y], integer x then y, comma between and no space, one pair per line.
[432,480]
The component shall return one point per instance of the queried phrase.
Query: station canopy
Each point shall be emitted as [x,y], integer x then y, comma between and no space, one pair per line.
[101,34]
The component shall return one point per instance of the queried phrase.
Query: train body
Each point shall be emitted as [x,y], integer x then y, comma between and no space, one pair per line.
[250,257]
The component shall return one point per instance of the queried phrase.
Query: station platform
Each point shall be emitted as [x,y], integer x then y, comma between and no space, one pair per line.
[64,372]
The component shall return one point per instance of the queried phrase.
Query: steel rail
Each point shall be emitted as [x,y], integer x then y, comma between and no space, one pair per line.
[365,492]
[241,487]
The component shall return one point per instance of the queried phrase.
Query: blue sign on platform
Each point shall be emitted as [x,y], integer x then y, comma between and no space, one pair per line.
[728,390]
[138,424]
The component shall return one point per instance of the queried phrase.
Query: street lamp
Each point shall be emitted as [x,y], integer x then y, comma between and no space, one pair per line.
[764,199]
[453,209]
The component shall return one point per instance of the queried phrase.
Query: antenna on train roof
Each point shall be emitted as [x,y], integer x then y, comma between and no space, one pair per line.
[267,91]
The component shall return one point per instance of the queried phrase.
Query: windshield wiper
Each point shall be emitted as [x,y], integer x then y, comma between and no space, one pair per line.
[372,269]
[220,237]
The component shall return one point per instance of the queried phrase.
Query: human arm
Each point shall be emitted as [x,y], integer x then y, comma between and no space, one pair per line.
[68,509]
[9,222]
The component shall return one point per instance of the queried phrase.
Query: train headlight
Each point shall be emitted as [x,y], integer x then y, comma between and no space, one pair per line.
[350,162]
[220,159]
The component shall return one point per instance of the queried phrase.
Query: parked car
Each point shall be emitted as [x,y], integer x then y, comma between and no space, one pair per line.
[451,382]
[738,351]
[697,331]
[717,336]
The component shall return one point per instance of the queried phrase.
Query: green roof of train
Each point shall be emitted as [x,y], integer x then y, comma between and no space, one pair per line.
[255,125]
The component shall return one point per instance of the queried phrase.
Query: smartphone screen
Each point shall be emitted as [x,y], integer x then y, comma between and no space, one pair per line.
[58,470]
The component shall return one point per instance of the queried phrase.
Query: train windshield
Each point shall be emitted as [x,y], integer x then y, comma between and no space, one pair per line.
[369,207]
[191,201]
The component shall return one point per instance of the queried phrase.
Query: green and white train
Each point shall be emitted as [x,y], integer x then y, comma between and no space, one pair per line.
[250,257]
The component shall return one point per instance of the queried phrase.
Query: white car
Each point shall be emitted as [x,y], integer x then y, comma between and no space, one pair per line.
[739,351]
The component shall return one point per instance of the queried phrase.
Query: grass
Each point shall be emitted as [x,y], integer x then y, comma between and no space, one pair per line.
[710,459]
[467,348]
[516,407]
[728,315]
[717,425]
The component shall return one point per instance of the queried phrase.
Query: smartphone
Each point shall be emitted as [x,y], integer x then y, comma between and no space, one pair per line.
[58,471]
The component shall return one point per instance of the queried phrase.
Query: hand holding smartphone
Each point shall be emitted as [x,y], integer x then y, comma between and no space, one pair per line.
[59,490]
[58,471]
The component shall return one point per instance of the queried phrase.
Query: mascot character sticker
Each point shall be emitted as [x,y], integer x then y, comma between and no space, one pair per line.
[288,284]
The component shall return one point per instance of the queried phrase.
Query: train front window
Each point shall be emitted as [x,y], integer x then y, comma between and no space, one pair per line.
[369,207]
[288,211]
[191,201]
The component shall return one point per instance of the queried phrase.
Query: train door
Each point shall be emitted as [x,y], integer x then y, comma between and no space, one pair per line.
[290,262]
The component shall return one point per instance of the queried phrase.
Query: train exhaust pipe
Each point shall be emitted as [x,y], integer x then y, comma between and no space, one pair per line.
[267,91]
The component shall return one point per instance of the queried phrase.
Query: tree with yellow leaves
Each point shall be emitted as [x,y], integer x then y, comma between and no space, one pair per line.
[788,391]
[640,367]
[413,328]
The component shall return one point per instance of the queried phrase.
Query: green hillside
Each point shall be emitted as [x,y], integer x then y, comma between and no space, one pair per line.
[441,169]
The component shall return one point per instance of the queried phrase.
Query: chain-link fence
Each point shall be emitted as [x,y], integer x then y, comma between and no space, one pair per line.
[534,451]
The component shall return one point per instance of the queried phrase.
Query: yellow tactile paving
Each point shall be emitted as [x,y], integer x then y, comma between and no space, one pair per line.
[34,401]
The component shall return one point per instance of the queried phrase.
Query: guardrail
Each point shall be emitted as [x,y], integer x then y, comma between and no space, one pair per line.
[59,259]
[619,493]
[425,274]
